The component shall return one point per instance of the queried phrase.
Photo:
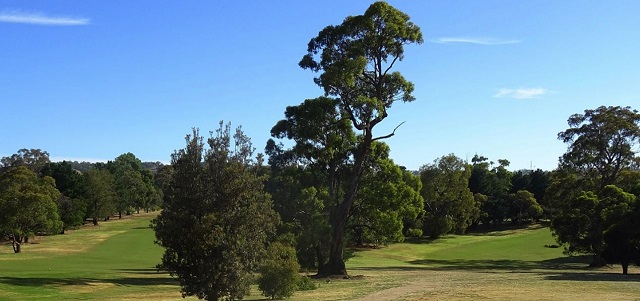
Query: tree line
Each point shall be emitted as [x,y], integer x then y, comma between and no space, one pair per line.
[38,196]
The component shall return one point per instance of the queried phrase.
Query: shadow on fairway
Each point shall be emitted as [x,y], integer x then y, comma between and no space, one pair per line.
[565,263]
[144,271]
[125,281]
[570,268]
[577,263]
[613,277]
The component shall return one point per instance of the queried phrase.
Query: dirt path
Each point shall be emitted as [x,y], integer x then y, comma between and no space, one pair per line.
[397,293]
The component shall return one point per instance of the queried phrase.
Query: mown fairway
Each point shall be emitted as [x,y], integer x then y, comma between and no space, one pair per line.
[116,262]
[113,261]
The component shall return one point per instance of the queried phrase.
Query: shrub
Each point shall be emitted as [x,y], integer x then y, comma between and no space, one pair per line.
[279,273]
[413,232]
[305,283]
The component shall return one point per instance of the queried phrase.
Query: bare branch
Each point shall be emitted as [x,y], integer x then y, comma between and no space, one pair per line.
[390,66]
[389,135]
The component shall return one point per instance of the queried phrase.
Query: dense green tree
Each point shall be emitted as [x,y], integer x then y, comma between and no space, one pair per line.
[495,184]
[68,180]
[602,143]
[355,59]
[388,195]
[279,273]
[602,147]
[70,183]
[524,206]
[27,205]
[621,223]
[448,202]
[540,181]
[72,212]
[578,227]
[308,181]
[128,183]
[100,195]
[629,181]
[216,217]
[581,226]
[302,201]
[34,159]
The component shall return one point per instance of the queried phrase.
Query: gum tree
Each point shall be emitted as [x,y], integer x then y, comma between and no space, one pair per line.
[355,61]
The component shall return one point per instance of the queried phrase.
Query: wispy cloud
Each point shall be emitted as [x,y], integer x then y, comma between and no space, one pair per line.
[36,18]
[520,93]
[474,40]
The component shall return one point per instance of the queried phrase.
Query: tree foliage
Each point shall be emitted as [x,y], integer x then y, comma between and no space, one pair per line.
[308,182]
[387,197]
[34,159]
[100,195]
[602,142]
[601,153]
[354,60]
[27,205]
[71,184]
[279,273]
[216,217]
[524,206]
[495,184]
[448,202]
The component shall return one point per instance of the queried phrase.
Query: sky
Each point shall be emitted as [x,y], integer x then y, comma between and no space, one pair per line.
[90,80]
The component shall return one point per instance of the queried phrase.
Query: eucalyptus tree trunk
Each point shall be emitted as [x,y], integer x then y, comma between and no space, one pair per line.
[340,214]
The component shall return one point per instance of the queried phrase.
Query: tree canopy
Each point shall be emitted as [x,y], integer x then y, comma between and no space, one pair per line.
[602,142]
[601,154]
[449,204]
[354,60]
[216,217]
[27,205]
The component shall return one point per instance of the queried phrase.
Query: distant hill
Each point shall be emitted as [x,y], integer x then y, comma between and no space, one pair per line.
[85,166]
[153,166]
[81,166]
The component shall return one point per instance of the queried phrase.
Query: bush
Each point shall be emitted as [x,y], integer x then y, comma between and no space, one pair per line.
[279,273]
[413,232]
[305,283]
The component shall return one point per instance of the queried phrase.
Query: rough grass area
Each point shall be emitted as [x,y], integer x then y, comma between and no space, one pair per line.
[116,261]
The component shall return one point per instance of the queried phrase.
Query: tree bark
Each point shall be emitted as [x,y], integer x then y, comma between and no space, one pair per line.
[597,261]
[340,215]
[16,244]
[625,267]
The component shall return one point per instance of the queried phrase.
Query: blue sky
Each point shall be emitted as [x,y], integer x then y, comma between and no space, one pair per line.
[90,80]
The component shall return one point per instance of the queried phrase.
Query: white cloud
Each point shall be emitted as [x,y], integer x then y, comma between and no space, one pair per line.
[520,93]
[35,18]
[474,40]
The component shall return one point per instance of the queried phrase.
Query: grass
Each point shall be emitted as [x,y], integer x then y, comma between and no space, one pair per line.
[116,261]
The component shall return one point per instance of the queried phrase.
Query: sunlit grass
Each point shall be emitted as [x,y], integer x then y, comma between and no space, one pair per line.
[116,261]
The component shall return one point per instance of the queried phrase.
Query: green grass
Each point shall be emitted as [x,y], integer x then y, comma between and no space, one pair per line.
[116,261]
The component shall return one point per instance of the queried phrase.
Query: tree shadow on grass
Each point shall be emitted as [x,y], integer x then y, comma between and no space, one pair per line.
[125,281]
[143,271]
[566,268]
[565,263]
[613,277]
[577,263]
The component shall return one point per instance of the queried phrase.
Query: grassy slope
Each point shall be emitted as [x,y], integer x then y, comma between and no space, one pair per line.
[113,261]
[116,262]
